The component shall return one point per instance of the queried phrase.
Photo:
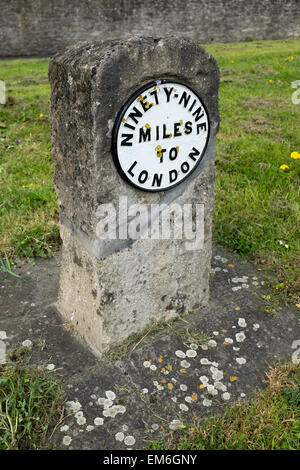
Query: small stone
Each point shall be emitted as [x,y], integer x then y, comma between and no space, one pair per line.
[226,396]
[241,360]
[242,323]
[81,420]
[67,440]
[183,407]
[119,436]
[98,421]
[228,340]
[185,364]
[64,428]
[191,353]
[180,354]
[204,361]
[175,424]
[110,395]
[240,337]
[129,440]
[207,402]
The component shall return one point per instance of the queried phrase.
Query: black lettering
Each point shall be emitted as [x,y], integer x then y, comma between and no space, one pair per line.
[145,134]
[157,132]
[201,126]
[125,141]
[146,105]
[188,127]
[185,98]
[155,96]
[160,154]
[193,104]
[194,154]
[176,129]
[168,93]
[129,126]
[157,179]
[136,114]
[173,153]
[173,176]
[197,114]
[185,167]
[143,176]
[165,135]
[131,168]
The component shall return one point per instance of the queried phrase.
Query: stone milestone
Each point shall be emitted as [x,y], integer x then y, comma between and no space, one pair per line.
[133,126]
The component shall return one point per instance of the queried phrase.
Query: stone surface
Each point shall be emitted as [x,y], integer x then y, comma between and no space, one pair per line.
[111,289]
[40,27]
[150,383]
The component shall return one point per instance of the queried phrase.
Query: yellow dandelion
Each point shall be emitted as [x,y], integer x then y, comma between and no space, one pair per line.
[295,155]
[23,186]
[160,359]
[41,115]
[170,368]
[270,80]
[183,371]
[201,386]
[233,61]
[232,379]
[284,167]
[292,57]
[163,370]
[31,184]
[230,265]
[194,396]
[225,342]
[170,386]
[237,308]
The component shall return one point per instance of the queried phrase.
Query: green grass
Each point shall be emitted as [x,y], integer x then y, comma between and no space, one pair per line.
[31,405]
[271,421]
[28,206]
[257,203]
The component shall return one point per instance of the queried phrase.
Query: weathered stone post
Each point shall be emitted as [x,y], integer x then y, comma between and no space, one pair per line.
[134,124]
